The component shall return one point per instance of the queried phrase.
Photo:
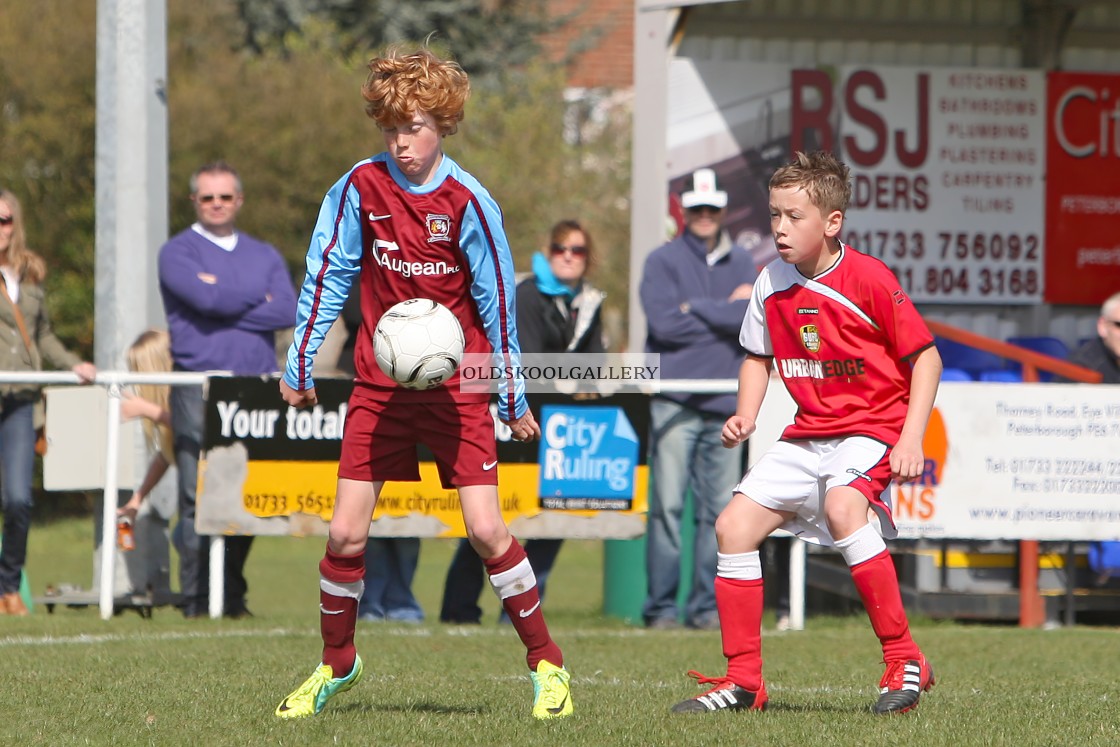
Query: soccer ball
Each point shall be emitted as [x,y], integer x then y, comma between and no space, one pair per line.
[418,343]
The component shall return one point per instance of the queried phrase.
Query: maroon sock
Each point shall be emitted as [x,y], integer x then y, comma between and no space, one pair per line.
[877,583]
[524,606]
[340,588]
[740,621]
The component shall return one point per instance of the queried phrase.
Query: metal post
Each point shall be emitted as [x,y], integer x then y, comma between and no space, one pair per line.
[217,575]
[649,183]
[1032,613]
[109,503]
[1070,569]
[130,151]
[797,553]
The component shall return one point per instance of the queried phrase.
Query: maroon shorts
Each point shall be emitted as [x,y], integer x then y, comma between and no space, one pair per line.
[380,440]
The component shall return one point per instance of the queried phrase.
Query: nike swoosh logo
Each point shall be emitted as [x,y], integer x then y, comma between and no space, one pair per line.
[531,610]
[487,466]
[326,611]
[374,218]
[284,706]
[559,708]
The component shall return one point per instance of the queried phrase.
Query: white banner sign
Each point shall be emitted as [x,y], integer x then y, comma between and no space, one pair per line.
[947,164]
[1030,461]
[948,176]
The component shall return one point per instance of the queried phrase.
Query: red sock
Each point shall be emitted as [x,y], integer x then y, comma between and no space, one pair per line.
[340,588]
[740,621]
[877,583]
[522,603]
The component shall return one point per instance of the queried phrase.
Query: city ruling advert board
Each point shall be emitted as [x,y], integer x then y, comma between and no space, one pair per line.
[270,469]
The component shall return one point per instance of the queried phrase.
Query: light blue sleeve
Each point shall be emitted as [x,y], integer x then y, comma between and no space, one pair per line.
[483,241]
[333,259]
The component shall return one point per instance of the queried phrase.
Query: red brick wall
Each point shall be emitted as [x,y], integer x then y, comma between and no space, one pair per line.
[609,62]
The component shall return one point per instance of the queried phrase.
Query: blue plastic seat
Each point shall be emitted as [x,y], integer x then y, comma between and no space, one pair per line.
[967,358]
[1051,346]
[955,374]
[1006,376]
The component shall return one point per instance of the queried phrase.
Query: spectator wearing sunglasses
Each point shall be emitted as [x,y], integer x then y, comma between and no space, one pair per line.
[558,311]
[225,294]
[694,292]
[26,340]
[1103,352]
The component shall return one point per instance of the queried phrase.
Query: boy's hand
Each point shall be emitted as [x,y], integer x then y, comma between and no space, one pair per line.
[736,430]
[524,428]
[907,460]
[296,398]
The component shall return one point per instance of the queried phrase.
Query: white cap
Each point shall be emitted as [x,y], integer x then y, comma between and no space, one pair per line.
[704,191]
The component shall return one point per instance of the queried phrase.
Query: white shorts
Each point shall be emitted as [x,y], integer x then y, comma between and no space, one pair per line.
[794,476]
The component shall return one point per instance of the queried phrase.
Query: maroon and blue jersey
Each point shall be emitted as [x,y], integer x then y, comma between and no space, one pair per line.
[443,240]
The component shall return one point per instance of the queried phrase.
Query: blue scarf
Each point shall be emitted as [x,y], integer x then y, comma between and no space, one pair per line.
[547,283]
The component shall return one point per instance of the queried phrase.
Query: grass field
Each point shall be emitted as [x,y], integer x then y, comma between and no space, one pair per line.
[71,678]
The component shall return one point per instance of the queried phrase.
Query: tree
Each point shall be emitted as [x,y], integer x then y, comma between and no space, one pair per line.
[515,139]
[290,121]
[487,36]
[290,118]
[47,112]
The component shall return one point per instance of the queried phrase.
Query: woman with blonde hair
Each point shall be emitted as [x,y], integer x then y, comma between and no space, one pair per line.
[26,339]
[150,513]
[150,353]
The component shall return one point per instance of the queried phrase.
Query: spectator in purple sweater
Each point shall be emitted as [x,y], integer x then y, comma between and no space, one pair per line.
[225,294]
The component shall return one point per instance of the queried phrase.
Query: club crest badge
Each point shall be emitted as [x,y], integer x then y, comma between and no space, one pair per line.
[811,338]
[439,227]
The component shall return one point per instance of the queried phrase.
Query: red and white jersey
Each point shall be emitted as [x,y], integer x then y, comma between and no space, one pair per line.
[842,343]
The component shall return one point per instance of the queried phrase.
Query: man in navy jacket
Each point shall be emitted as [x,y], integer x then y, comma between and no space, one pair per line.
[694,293]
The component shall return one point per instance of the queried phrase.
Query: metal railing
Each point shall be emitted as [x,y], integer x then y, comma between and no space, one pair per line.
[113,381]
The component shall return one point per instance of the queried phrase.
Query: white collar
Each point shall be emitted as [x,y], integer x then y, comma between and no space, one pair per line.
[229,243]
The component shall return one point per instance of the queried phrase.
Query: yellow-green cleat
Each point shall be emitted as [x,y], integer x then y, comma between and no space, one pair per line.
[311,697]
[552,693]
